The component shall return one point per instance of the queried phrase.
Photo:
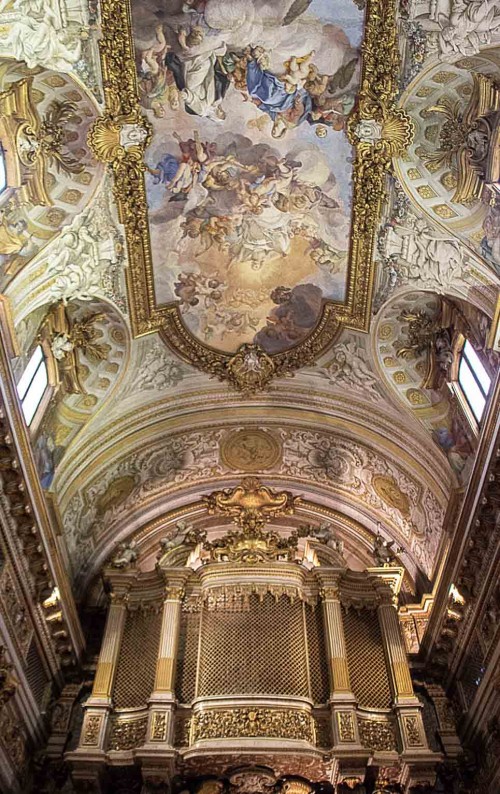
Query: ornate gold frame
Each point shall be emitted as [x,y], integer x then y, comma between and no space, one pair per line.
[377,130]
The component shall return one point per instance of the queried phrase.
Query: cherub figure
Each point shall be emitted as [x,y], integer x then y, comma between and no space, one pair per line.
[383,551]
[297,72]
[125,556]
[157,86]
[177,539]
[324,534]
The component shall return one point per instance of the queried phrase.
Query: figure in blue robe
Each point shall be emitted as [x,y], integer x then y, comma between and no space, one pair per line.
[272,95]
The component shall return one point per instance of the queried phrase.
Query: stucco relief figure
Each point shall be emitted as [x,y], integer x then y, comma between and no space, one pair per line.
[36,41]
[430,256]
[350,367]
[184,534]
[325,534]
[469,26]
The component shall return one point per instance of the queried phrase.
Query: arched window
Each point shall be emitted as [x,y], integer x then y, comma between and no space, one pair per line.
[33,384]
[473,380]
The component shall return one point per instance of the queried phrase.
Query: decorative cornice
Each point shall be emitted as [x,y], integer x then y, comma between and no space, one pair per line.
[28,518]
[473,553]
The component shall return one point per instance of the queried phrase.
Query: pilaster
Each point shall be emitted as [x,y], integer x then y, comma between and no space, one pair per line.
[162,701]
[342,701]
[418,760]
[99,705]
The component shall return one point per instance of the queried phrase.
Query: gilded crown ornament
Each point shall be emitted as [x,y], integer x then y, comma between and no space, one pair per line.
[250,505]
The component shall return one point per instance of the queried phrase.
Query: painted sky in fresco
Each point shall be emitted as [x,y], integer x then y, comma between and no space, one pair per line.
[249,170]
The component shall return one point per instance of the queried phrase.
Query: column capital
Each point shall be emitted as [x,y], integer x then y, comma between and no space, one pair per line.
[329,585]
[173,592]
[120,581]
[386,582]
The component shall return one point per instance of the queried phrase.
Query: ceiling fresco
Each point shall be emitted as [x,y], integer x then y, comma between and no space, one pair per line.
[249,173]
[244,151]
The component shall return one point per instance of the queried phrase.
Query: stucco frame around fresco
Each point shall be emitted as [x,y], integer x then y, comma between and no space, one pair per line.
[377,130]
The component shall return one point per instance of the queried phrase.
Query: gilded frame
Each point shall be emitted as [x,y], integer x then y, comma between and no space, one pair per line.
[378,131]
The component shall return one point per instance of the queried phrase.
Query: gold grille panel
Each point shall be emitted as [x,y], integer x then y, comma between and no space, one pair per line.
[318,662]
[259,650]
[187,657]
[366,659]
[35,673]
[135,674]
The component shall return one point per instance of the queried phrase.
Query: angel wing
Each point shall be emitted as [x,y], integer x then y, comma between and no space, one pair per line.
[296,10]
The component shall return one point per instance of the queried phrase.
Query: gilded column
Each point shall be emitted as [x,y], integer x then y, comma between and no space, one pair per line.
[406,705]
[162,701]
[99,705]
[169,640]
[342,700]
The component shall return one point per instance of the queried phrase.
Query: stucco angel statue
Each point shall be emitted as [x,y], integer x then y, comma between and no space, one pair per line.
[125,556]
[184,534]
[383,551]
[324,533]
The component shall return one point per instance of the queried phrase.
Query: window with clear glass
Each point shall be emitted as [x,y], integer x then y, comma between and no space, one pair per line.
[32,385]
[3,170]
[473,380]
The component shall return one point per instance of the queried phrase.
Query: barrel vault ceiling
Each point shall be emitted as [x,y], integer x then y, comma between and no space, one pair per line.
[228,212]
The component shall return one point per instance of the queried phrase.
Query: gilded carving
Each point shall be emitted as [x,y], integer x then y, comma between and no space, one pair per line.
[174,593]
[159,727]
[412,731]
[258,780]
[465,140]
[377,735]
[236,597]
[65,339]
[91,729]
[377,129]
[127,734]
[251,504]
[345,722]
[238,723]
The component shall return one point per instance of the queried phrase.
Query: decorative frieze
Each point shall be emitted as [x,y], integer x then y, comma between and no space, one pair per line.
[377,735]
[127,734]
[258,722]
